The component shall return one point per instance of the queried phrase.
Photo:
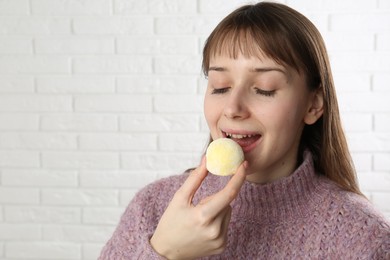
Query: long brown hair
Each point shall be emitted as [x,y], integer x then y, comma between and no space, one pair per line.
[288,37]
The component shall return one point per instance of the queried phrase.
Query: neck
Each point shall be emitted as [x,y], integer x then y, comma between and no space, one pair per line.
[282,199]
[273,172]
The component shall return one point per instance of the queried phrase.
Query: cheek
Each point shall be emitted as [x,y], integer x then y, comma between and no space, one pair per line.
[210,112]
[287,118]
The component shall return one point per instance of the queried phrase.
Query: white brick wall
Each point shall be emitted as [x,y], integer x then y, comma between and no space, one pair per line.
[100,97]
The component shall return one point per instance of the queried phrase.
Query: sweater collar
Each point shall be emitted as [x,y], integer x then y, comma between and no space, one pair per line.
[288,197]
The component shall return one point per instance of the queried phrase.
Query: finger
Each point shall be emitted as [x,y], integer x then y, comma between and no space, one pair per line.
[225,196]
[225,223]
[193,182]
[224,219]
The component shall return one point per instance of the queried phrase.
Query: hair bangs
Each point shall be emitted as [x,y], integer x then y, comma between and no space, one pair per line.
[254,35]
[234,42]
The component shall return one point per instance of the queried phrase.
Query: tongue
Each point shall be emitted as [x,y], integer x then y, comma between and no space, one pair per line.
[243,142]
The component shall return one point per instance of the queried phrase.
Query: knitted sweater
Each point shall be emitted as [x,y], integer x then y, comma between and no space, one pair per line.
[302,216]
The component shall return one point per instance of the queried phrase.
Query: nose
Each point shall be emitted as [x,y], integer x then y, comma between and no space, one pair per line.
[236,106]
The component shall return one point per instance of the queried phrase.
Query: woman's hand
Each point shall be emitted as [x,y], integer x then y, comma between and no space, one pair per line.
[188,231]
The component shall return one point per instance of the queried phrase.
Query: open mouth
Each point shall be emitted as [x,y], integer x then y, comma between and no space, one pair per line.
[246,141]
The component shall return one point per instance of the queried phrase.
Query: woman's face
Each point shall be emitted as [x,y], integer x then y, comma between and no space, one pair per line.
[263,106]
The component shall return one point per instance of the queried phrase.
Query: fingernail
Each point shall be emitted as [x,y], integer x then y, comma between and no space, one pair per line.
[245,165]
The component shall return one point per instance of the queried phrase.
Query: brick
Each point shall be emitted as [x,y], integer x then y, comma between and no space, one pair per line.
[39,214]
[360,62]
[44,141]
[158,45]
[369,142]
[219,6]
[75,84]
[159,123]
[74,45]
[381,163]
[364,102]
[202,85]
[360,22]
[113,25]
[76,159]
[121,142]
[383,4]
[19,196]
[116,179]
[203,126]
[34,25]
[79,122]
[131,7]
[17,84]
[362,161]
[14,7]
[78,197]
[380,82]
[352,82]
[92,251]
[113,64]
[113,103]
[182,25]
[174,162]
[70,7]
[125,196]
[178,103]
[157,85]
[35,103]
[383,42]
[177,65]
[381,200]
[43,250]
[39,178]
[343,41]
[19,159]
[14,232]
[34,65]
[350,5]
[16,45]
[374,181]
[18,122]
[357,122]
[183,142]
[320,20]
[155,7]
[77,234]
[382,122]
[104,216]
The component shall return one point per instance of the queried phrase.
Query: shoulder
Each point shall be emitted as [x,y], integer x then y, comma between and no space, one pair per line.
[349,205]
[354,206]
[357,220]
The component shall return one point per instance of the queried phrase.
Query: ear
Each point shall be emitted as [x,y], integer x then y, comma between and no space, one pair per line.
[315,107]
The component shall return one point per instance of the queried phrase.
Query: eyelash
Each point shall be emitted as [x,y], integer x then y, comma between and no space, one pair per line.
[266,93]
[219,90]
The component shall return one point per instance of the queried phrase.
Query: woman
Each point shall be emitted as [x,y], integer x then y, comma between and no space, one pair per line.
[296,196]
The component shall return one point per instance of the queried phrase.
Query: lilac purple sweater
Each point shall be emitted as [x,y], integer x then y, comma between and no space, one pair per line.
[302,216]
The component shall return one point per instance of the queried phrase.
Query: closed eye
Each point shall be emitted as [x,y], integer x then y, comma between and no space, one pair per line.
[267,93]
[219,90]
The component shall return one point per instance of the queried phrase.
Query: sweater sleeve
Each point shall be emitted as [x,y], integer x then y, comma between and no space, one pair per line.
[131,238]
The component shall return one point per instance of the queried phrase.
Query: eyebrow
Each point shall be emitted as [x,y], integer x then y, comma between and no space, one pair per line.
[259,69]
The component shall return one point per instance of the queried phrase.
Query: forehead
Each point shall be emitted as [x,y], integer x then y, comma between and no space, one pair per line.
[229,43]
[232,43]
[253,64]
[244,60]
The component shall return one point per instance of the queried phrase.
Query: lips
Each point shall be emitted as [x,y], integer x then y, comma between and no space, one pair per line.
[247,141]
